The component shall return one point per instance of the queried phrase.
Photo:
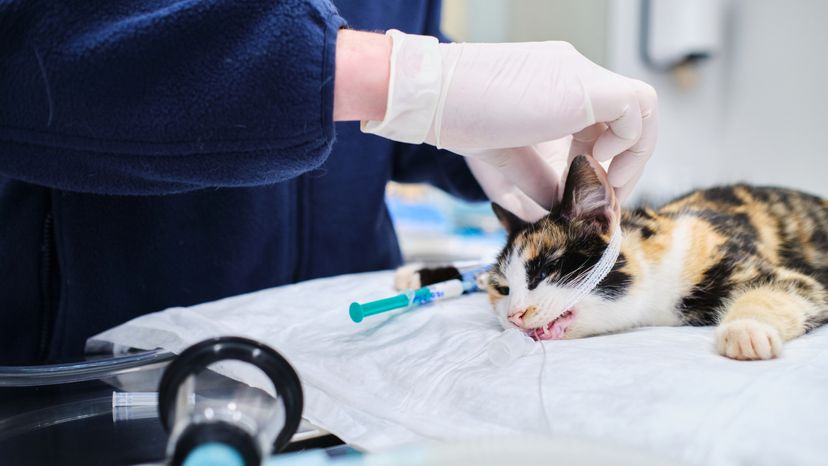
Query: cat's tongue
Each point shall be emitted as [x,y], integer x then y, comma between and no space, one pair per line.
[554,330]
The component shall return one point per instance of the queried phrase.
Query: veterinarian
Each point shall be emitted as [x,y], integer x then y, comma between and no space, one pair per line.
[170,153]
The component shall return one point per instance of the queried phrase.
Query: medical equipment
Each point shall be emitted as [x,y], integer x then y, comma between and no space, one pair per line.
[134,400]
[55,374]
[510,345]
[523,449]
[467,283]
[236,427]
[411,298]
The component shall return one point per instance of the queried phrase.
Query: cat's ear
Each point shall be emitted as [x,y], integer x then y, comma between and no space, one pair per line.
[511,222]
[588,196]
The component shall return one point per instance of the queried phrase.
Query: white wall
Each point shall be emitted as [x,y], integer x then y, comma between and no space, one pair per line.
[581,22]
[758,113]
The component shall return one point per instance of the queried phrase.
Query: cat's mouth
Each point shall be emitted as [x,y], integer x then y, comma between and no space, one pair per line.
[553,330]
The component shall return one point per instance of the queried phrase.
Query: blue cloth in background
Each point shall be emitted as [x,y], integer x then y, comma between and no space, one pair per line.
[169,153]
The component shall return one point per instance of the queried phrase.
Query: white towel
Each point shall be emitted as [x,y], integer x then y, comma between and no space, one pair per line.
[424,374]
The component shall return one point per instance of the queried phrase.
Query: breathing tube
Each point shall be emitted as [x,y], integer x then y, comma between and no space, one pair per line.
[514,343]
[55,374]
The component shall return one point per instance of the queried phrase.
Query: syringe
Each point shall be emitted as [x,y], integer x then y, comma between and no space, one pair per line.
[425,295]
[420,297]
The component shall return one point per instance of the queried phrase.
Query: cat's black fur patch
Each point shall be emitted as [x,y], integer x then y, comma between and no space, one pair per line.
[643,212]
[793,258]
[536,271]
[510,222]
[723,195]
[700,306]
[580,255]
[430,276]
[615,284]
[820,239]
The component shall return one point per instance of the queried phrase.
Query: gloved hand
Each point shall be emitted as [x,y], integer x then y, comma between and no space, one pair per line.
[470,98]
[526,181]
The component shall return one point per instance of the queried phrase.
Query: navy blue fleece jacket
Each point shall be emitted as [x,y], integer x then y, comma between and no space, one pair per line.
[165,153]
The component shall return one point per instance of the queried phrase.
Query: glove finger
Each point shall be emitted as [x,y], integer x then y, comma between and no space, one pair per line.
[623,193]
[502,191]
[525,168]
[632,161]
[624,167]
[625,127]
[584,140]
[555,152]
[518,203]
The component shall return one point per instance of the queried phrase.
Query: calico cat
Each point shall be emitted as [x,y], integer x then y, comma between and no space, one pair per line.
[751,260]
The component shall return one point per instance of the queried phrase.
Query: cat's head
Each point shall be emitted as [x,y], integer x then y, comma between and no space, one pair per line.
[537,269]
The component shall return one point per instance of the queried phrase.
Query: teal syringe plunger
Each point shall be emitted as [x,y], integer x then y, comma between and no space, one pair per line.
[411,297]
[360,311]
[420,297]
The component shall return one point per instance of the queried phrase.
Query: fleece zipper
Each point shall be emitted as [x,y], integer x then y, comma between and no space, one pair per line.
[301,228]
[47,272]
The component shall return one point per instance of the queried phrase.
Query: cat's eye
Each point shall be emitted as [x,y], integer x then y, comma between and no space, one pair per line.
[542,275]
[504,290]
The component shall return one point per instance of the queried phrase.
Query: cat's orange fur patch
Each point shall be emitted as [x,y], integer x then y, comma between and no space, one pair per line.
[766,227]
[659,243]
[783,310]
[705,244]
[491,290]
[494,296]
[695,201]
[546,239]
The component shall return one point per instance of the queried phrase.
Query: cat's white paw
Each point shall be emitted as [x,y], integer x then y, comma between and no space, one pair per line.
[482,280]
[748,339]
[407,277]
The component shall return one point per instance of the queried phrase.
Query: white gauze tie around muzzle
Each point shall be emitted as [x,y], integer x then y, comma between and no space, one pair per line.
[598,272]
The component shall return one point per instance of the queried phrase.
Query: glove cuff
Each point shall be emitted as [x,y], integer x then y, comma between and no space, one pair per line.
[413,89]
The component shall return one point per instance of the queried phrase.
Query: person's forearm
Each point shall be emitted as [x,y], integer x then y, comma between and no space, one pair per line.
[362,74]
[225,115]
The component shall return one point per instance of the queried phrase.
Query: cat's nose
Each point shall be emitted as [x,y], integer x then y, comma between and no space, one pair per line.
[516,316]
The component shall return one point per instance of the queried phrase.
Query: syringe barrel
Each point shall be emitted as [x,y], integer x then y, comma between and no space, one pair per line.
[425,295]
[438,292]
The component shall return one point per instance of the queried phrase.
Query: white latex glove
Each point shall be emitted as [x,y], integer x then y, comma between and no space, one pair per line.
[500,173]
[472,97]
